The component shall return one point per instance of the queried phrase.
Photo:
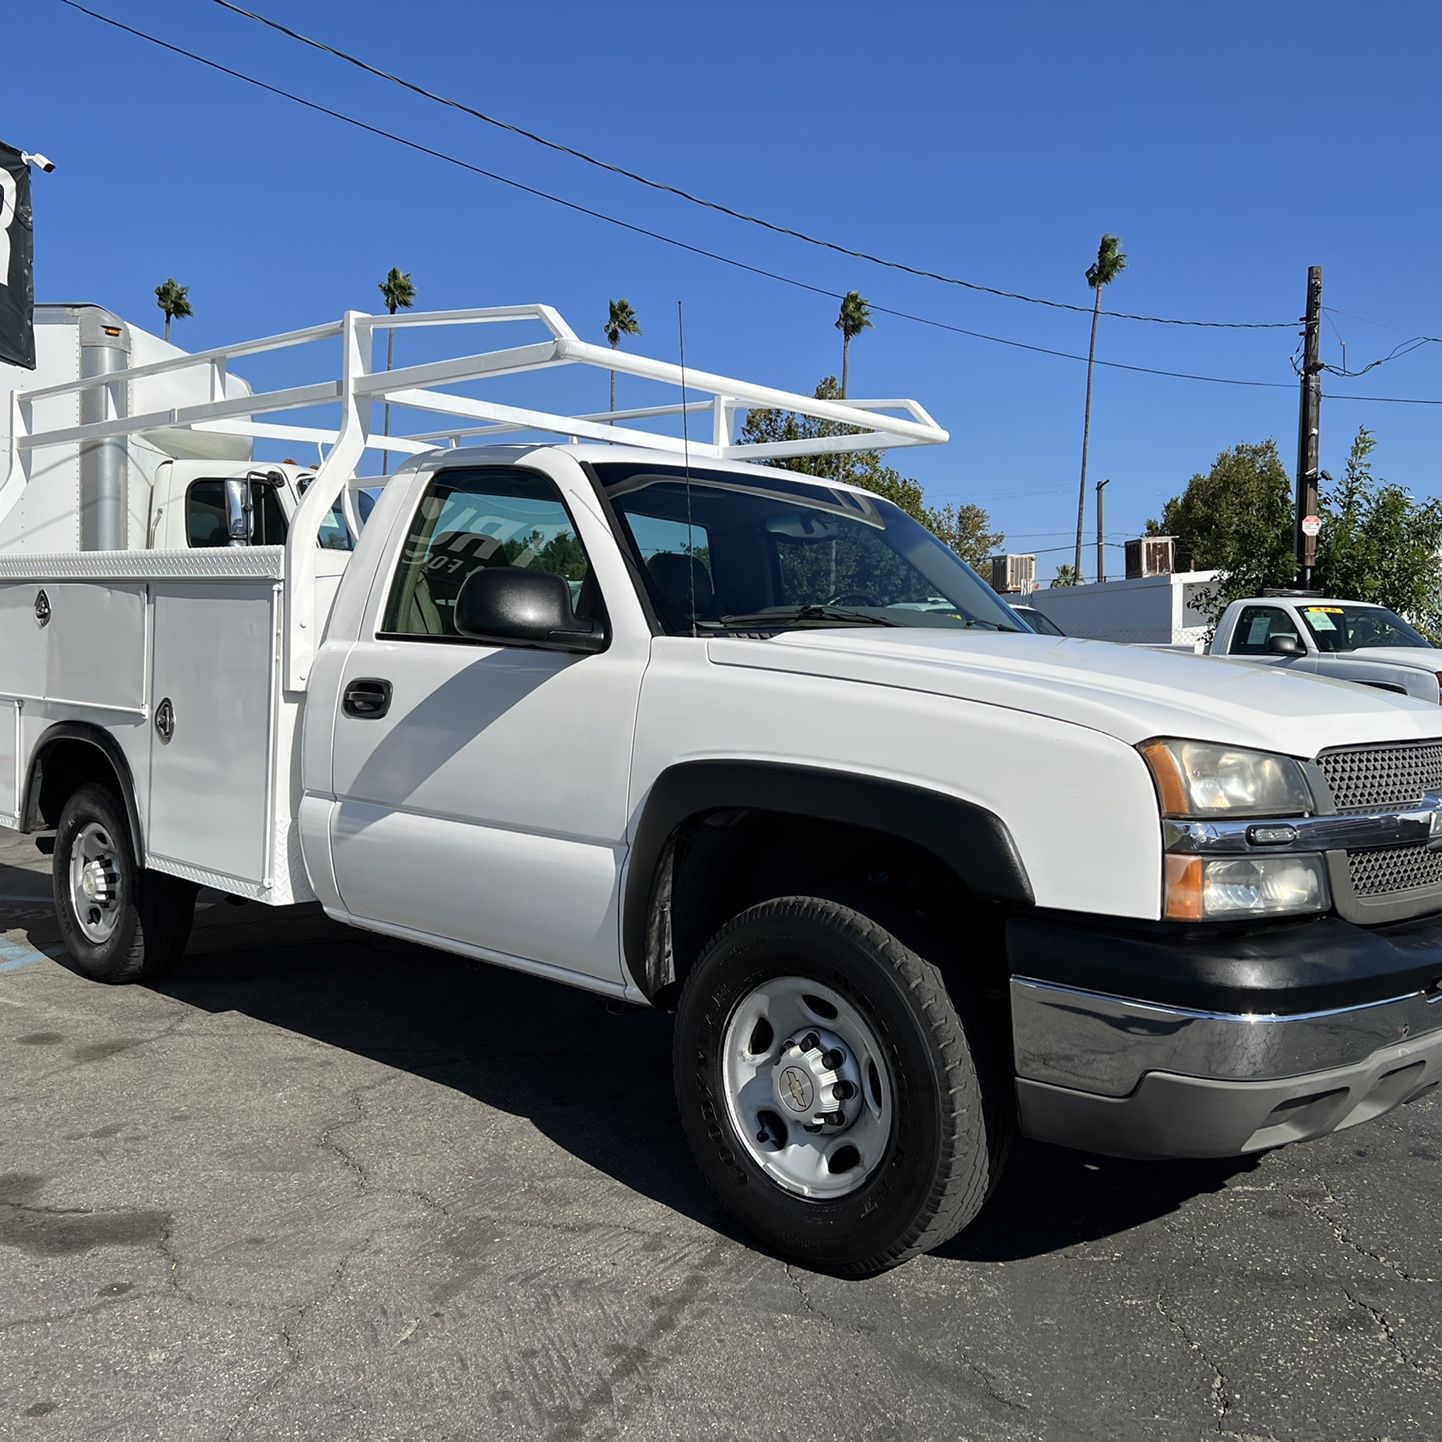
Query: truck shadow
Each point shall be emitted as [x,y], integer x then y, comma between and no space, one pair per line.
[595,1083]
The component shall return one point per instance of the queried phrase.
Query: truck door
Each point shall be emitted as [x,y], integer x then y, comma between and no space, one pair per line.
[1255,628]
[481,790]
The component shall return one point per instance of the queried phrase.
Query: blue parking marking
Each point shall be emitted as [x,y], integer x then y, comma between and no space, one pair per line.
[15,954]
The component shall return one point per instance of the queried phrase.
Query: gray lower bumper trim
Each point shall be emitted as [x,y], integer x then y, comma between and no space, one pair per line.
[1189,1116]
[1093,1042]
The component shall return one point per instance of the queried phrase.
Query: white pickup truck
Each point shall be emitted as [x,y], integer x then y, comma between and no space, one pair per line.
[1345,640]
[635,715]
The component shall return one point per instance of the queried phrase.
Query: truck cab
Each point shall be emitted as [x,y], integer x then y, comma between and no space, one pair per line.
[196,504]
[1345,640]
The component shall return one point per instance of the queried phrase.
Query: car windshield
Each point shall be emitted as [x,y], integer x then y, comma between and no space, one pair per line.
[1350,628]
[735,551]
[1042,624]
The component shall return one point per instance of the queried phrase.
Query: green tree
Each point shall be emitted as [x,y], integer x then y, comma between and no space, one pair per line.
[855,317]
[399,291]
[1236,518]
[967,530]
[621,321]
[1108,265]
[174,299]
[1378,544]
[1065,576]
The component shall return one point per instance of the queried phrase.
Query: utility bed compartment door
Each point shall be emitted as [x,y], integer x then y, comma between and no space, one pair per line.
[212,691]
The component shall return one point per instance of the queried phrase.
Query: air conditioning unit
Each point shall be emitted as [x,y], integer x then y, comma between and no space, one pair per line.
[1151,556]
[1013,575]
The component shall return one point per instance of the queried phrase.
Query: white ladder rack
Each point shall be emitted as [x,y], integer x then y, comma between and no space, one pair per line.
[869,424]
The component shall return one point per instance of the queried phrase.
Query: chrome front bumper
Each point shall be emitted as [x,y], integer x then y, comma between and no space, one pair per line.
[1112,1074]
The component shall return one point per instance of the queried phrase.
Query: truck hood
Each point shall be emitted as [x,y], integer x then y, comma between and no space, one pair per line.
[1424,658]
[1123,691]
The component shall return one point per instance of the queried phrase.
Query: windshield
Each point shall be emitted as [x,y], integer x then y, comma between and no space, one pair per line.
[1350,628]
[732,551]
[334,533]
[1042,624]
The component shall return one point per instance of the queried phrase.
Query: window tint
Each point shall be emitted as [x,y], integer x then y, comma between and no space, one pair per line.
[470,519]
[764,546]
[1257,625]
[205,515]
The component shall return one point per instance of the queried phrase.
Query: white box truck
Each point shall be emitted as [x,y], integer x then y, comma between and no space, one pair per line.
[627,710]
[152,485]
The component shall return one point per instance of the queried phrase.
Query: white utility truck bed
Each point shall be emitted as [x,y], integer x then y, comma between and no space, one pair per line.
[625,709]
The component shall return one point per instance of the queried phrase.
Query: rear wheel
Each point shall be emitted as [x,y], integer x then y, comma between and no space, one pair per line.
[838,1101]
[118,922]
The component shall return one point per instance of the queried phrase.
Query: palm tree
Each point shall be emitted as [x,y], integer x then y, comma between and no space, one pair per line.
[399,291]
[1109,264]
[622,321]
[855,317]
[174,299]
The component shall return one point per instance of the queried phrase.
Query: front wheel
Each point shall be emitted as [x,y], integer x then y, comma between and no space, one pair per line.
[118,922]
[837,1100]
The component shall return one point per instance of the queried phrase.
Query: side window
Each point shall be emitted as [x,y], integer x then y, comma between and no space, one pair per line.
[205,515]
[1256,626]
[469,519]
[678,561]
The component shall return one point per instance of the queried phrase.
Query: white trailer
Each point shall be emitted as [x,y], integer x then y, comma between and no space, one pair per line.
[1156,610]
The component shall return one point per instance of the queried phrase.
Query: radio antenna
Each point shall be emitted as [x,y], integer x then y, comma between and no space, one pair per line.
[686,460]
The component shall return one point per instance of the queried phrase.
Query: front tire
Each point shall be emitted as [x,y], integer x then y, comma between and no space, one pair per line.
[119,923]
[839,1102]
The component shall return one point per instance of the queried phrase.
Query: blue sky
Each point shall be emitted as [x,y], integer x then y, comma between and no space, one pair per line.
[995,142]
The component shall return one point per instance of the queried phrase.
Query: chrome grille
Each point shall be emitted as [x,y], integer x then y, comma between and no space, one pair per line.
[1398,868]
[1382,775]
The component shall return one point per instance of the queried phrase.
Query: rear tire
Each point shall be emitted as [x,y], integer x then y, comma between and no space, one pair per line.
[802,1007]
[119,923]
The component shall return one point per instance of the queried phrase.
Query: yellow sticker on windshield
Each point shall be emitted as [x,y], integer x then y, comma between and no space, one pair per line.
[1324,610]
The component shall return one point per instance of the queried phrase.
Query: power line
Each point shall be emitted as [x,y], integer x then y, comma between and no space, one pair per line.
[635,229]
[1380,324]
[716,205]
[1385,400]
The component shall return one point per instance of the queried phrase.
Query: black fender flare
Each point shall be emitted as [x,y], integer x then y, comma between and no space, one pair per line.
[974,842]
[108,747]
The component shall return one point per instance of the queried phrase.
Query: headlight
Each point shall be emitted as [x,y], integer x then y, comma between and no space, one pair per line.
[1197,778]
[1232,888]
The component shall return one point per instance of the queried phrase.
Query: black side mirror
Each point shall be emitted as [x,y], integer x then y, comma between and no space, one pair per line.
[511,606]
[1283,645]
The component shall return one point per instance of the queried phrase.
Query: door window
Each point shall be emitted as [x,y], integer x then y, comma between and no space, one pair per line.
[205,515]
[469,519]
[1257,625]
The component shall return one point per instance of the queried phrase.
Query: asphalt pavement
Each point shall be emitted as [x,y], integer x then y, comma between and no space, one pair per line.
[321,1185]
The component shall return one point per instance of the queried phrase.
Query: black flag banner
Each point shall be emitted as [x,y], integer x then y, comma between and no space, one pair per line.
[17,261]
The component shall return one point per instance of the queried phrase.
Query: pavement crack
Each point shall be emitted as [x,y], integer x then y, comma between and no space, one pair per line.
[1388,1334]
[800,1288]
[811,1309]
[366,1183]
[1344,1237]
[1220,1393]
[287,1332]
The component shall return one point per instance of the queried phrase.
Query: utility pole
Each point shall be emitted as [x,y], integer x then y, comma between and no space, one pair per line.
[1101,529]
[1309,434]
